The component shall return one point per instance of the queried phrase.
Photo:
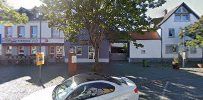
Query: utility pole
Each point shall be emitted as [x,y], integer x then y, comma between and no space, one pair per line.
[184,49]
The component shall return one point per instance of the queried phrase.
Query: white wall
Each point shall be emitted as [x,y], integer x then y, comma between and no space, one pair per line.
[152,49]
[170,23]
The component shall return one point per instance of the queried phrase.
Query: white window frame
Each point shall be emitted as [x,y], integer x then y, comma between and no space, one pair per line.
[31,31]
[181,14]
[8,49]
[21,33]
[8,34]
[51,50]
[59,48]
[76,50]
[32,49]
[19,50]
[89,52]
[173,34]
[172,45]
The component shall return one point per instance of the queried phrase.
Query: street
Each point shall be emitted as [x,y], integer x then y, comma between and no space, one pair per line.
[154,82]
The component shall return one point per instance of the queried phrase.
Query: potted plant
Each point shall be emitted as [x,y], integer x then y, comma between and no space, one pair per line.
[175,63]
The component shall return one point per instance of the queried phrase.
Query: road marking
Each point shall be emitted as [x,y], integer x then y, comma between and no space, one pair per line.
[165,88]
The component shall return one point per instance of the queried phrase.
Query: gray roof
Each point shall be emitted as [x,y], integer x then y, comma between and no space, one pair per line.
[168,15]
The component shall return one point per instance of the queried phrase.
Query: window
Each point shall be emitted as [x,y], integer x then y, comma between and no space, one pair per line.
[182,15]
[8,31]
[79,50]
[171,32]
[33,49]
[8,49]
[55,33]
[21,31]
[193,50]
[171,49]
[143,52]
[20,50]
[51,50]
[91,90]
[91,52]
[33,31]
[59,50]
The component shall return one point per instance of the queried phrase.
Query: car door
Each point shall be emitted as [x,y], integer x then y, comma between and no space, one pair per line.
[92,91]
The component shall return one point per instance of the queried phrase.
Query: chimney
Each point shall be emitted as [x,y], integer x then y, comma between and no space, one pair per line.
[165,11]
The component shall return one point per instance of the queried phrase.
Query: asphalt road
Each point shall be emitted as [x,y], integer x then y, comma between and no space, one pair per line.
[157,82]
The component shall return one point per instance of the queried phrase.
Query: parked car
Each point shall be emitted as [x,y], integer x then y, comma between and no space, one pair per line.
[91,86]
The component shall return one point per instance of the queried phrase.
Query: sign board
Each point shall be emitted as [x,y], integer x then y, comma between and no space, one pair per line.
[74,59]
[184,55]
[40,58]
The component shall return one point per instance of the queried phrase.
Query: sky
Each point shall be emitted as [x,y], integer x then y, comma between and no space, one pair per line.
[195,5]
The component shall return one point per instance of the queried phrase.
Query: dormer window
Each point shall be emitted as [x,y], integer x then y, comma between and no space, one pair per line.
[182,15]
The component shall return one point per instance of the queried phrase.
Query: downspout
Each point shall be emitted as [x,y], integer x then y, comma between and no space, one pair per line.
[161,46]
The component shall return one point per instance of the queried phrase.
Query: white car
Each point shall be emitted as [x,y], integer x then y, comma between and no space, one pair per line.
[90,86]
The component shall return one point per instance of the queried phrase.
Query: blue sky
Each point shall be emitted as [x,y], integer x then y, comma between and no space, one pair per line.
[196,5]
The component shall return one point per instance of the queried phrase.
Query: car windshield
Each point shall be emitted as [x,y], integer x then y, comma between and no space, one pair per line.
[62,91]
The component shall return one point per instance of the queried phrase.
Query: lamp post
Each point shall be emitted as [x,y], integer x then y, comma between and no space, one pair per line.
[40,17]
[184,49]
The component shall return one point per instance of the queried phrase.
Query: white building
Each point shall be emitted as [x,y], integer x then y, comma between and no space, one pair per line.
[151,49]
[24,39]
[167,46]
[171,25]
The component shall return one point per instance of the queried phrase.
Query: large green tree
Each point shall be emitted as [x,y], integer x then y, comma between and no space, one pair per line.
[101,18]
[9,15]
[195,31]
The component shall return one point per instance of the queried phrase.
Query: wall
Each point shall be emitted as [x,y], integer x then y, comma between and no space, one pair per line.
[152,49]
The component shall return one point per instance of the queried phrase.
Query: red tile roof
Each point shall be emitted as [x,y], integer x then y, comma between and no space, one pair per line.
[145,36]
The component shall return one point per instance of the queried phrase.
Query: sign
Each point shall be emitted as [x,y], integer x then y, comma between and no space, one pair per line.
[17,40]
[74,59]
[40,58]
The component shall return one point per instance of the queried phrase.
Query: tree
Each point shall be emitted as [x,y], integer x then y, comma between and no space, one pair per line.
[195,31]
[7,14]
[101,18]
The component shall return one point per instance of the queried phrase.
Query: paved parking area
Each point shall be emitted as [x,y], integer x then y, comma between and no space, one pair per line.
[157,82]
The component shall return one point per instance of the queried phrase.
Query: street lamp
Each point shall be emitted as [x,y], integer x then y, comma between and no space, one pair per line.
[40,18]
[183,49]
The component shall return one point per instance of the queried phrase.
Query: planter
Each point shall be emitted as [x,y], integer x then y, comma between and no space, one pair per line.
[175,65]
[200,65]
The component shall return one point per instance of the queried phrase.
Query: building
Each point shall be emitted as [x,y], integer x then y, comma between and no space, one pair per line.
[151,49]
[85,51]
[170,27]
[24,39]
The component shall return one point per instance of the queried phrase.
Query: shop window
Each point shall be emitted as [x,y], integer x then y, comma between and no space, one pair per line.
[51,50]
[79,50]
[59,50]
[33,49]
[33,31]
[8,31]
[91,53]
[21,31]
[8,49]
[20,50]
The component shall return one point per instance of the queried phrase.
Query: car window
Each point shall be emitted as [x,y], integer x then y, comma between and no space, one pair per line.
[61,91]
[91,90]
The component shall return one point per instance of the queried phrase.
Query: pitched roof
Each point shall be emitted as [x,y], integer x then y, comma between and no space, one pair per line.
[168,15]
[145,36]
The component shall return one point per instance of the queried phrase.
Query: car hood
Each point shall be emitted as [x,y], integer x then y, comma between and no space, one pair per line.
[44,94]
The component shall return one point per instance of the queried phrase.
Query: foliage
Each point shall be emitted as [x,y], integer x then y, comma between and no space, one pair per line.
[9,15]
[195,31]
[102,19]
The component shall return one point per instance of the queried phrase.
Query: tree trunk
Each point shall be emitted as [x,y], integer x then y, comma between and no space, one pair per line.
[96,66]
